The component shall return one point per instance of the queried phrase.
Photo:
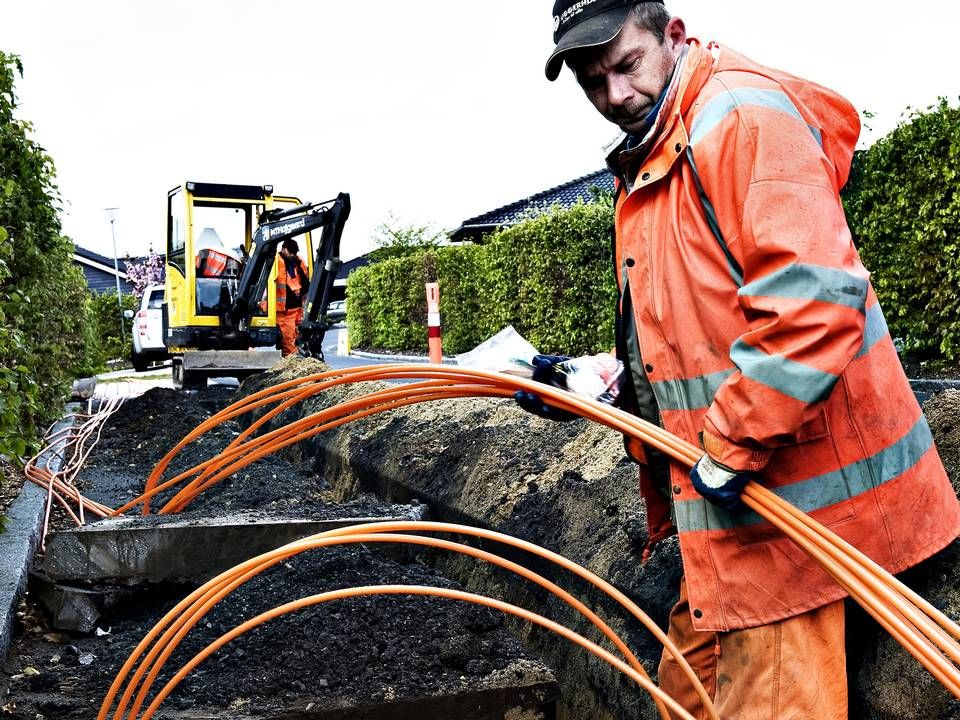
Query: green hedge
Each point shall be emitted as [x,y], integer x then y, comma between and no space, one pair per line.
[903,206]
[550,277]
[106,315]
[46,330]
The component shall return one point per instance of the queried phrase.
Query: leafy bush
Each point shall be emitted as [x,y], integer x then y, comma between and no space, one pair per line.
[388,312]
[550,277]
[45,318]
[903,207]
[152,270]
[106,313]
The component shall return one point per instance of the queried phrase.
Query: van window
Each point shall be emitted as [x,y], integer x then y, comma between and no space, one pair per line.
[155,302]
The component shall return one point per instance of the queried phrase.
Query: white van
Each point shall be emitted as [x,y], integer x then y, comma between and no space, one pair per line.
[147,330]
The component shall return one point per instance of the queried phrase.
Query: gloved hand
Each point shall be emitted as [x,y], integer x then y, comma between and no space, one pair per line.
[720,485]
[545,371]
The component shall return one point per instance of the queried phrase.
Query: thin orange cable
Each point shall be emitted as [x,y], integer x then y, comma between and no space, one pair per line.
[216,588]
[346,593]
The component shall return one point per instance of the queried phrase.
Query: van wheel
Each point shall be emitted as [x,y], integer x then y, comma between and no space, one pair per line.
[140,363]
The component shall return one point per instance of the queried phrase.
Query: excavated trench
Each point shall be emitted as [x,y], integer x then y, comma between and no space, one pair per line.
[566,486]
[95,594]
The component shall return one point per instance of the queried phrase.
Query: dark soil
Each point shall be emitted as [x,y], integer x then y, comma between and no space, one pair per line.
[138,435]
[371,649]
[363,650]
[11,480]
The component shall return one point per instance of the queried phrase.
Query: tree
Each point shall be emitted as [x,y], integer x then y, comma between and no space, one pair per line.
[395,240]
[152,270]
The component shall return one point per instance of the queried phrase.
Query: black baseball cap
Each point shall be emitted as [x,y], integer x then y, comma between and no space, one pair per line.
[584,23]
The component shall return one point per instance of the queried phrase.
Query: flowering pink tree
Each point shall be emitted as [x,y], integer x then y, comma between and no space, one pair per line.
[149,271]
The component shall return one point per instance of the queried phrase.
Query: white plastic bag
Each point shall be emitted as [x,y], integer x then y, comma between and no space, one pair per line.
[592,376]
[506,352]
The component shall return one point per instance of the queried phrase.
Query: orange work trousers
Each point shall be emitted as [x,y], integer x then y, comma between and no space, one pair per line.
[794,669]
[287,321]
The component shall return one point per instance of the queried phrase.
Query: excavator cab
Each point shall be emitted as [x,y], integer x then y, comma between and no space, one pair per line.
[211,231]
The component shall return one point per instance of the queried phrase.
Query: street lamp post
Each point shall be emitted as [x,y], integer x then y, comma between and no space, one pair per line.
[111,213]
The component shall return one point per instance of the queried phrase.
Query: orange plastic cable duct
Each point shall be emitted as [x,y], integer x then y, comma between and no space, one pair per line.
[192,609]
[527,615]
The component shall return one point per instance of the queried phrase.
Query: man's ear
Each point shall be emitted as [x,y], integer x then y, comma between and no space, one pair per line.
[675,35]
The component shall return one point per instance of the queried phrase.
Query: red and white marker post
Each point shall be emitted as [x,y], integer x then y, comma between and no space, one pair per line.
[434,342]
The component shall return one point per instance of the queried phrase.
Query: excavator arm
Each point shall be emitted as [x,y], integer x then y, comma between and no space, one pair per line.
[274,227]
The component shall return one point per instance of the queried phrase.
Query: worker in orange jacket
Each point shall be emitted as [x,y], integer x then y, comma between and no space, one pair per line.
[747,324]
[292,282]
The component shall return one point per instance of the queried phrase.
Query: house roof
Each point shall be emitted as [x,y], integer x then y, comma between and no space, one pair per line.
[565,195]
[101,262]
[348,267]
[99,272]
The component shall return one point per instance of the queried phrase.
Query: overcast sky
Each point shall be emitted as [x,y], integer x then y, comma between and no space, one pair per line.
[430,110]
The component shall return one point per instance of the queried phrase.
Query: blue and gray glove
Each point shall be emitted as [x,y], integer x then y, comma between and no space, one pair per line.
[545,371]
[719,484]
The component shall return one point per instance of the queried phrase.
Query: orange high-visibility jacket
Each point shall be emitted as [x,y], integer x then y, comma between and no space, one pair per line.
[290,286]
[746,309]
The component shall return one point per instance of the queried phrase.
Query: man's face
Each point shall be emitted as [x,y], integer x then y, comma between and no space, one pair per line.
[624,78]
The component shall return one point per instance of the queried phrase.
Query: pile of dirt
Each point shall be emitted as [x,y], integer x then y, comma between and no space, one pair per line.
[943,414]
[372,649]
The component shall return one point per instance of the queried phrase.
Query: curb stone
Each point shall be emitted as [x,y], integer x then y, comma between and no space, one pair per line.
[399,358]
[20,541]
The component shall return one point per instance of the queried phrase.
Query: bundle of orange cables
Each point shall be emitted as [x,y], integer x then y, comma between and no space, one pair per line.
[78,438]
[924,631]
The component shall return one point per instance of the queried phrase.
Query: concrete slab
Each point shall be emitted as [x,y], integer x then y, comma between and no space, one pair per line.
[161,548]
[19,543]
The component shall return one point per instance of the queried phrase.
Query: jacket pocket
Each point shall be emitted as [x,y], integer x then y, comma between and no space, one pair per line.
[816,429]
[830,517]
[821,490]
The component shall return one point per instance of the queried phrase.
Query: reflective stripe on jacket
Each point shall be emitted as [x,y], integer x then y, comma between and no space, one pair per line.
[756,322]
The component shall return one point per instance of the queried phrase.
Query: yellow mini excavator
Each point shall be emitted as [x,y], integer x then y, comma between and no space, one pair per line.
[219,312]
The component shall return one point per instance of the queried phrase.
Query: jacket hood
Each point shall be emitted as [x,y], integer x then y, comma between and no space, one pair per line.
[827,113]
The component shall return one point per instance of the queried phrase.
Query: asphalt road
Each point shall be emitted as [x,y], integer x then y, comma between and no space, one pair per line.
[338,362]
